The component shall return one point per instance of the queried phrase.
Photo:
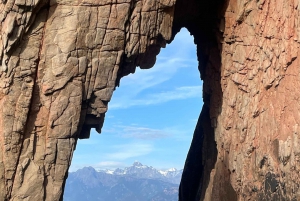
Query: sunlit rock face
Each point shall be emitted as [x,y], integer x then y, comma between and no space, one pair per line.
[60,62]
[62,59]
[251,82]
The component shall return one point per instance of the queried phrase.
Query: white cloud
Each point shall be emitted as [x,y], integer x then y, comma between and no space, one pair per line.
[163,70]
[146,87]
[131,150]
[143,133]
[178,55]
[137,132]
[179,93]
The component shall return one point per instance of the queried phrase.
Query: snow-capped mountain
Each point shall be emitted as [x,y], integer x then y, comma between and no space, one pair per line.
[135,183]
[143,171]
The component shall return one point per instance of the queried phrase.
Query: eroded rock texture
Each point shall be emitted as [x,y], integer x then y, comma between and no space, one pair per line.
[60,62]
[257,131]
[62,59]
[251,81]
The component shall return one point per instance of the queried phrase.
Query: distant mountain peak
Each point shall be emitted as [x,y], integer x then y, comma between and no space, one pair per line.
[134,183]
[137,164]
[139,170]
[88,169]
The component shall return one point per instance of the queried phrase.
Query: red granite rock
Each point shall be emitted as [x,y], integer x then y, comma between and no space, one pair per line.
[62,59]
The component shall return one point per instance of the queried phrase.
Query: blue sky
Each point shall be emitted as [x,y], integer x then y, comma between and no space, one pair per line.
[152,115]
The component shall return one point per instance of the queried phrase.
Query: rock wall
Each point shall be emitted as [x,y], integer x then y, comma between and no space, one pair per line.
[62,59]
[251,80]
[257,131]
[60,62]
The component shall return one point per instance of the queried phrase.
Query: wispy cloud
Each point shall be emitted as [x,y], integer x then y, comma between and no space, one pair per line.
[132,150]
[163,70]
[176,56]
[140,133]
[127,138]
[143,133]
[179,93]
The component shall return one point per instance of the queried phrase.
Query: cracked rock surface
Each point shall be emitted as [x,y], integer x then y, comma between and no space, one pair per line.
[60,61]
[257,131]
[247,141]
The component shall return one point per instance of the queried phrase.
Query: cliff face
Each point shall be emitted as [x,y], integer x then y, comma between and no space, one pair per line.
[256,119]
[60,63]
[247,137]
[61,60]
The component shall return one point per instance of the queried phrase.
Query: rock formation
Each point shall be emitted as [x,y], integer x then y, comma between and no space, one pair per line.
[62,59]
[60,64]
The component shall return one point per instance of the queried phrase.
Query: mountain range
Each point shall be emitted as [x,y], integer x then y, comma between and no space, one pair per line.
[135,183]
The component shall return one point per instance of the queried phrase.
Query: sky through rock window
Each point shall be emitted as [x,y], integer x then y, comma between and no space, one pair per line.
[152,115]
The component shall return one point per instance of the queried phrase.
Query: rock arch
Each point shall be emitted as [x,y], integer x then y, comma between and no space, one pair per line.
[61,60]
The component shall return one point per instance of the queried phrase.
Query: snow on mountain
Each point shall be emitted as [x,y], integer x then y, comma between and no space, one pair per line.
[135,183]
[139,170]
[166,172]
